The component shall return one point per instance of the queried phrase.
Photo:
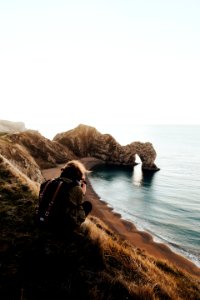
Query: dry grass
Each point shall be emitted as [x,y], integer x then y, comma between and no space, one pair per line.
[137,271]
[91,264]
[19,157]
[12,177]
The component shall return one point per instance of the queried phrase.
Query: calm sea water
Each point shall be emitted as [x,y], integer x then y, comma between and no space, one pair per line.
[166,203]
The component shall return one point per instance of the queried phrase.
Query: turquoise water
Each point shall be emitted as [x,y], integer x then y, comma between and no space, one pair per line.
[166,203]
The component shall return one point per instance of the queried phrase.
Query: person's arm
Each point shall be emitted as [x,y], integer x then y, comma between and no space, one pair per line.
[83,186]
[76,199]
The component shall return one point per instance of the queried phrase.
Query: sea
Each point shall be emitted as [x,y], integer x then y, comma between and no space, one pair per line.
[166,203]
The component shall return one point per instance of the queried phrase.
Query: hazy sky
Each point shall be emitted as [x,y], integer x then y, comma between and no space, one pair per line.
[108,64]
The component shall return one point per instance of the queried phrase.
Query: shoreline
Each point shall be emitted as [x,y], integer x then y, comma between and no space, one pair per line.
[126,229]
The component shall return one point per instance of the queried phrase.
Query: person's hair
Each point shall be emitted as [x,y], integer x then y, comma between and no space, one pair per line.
[74,170]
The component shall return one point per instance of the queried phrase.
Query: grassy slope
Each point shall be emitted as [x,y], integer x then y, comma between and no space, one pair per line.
[94,265]
[45,152]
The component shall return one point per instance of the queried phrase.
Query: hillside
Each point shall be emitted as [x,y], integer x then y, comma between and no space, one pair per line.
[30,152]
[92,264]
[95,263]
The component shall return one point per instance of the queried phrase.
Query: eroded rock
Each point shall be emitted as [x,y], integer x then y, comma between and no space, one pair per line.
[86,141]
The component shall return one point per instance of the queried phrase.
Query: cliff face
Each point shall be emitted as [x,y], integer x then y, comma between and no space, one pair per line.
[87,141]
[9,126]
[45,152]
[30,152]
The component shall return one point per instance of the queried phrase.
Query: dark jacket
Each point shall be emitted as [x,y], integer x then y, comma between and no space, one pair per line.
[66,210]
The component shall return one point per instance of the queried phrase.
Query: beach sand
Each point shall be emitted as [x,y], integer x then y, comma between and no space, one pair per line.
[126,229]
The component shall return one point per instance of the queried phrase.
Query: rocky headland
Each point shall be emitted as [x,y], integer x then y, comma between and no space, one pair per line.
[29,148]
[86,141]
[111,260]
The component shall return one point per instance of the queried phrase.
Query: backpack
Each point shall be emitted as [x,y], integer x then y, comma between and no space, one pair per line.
[52,200]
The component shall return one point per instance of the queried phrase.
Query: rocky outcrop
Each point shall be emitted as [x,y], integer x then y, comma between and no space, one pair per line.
[86,141]
[30,152]
[9,126]
[146,153]
[45,152]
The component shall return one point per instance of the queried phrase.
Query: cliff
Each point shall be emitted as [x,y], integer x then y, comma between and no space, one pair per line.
[29,148]
[86,141]
[9,126]
[30,152]
[95,263]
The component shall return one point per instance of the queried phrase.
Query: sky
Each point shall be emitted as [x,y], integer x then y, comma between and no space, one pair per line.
[108,64]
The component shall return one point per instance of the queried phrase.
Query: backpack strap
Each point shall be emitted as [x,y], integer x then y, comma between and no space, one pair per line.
[42,191]
[45,187]
[53,199]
